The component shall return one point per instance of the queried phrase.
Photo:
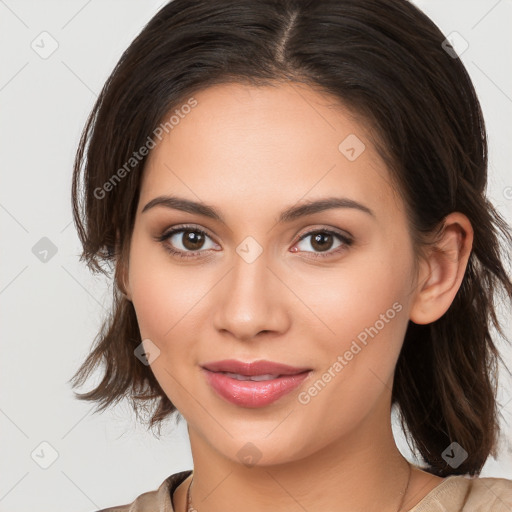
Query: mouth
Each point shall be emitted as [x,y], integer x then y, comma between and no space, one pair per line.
[255,384]
[254,378]
[255,368]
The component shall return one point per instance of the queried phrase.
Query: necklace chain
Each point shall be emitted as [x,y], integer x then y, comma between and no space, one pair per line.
[190,507]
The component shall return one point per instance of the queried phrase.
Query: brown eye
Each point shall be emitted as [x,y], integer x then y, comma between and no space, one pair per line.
[323,240]
[192,240]
[186,241]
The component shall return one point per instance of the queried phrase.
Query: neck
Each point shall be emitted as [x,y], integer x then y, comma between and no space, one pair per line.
[361,471]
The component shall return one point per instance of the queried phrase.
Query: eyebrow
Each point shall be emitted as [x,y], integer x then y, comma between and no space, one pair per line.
[288,215]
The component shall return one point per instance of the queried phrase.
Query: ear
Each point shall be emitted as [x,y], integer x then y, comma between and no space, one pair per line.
[121,275]
[121,270]
[441,273]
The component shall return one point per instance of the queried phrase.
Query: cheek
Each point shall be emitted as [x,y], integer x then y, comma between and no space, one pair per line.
[354,296]
[151,292]
[366,314]
[365,309]
[165,310]
[166,299]
[163,294]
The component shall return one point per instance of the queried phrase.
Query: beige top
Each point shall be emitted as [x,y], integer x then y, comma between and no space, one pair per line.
[455,494]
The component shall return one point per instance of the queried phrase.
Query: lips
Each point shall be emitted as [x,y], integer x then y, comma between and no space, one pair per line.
[254,384]
[255,368]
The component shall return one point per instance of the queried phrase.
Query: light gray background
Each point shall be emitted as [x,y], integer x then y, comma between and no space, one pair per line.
[51,311]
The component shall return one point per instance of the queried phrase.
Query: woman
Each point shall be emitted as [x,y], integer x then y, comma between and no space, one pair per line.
[291,194]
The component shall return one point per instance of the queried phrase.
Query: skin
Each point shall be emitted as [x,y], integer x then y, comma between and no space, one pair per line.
[251,152]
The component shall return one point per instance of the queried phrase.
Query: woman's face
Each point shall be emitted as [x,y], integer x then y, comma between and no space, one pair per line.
[335,303]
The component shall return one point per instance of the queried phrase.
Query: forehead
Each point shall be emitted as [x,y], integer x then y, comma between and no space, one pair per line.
[241,144]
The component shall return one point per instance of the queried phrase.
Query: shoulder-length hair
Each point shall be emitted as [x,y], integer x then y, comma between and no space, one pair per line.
[389,63]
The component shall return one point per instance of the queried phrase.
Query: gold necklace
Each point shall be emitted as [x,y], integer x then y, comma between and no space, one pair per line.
[190,507]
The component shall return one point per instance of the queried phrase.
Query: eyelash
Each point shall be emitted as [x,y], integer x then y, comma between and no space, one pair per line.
[346,241]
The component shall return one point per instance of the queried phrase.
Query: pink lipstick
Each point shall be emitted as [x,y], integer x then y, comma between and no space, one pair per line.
[253,384]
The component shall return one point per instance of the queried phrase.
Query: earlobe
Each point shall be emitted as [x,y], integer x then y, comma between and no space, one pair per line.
[121,281]
[127,292]
[442,271]
[121,273]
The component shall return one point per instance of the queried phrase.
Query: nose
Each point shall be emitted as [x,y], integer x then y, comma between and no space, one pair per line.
[252,299]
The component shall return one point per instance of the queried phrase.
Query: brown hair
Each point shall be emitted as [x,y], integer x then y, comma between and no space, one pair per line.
[385,60]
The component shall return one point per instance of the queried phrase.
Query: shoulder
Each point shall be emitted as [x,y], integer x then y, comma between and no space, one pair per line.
[158,499]
[460,493]
[490,494]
